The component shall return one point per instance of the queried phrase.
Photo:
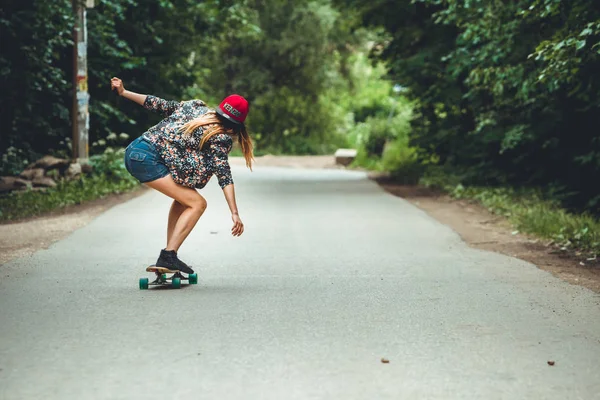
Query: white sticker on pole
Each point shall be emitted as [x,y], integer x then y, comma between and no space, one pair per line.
[81,49]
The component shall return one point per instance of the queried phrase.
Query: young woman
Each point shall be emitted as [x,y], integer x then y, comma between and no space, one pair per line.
[181,153]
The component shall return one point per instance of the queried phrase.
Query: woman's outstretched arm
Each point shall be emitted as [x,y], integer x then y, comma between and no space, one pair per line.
[117,84]
[220,146]
[238,226]
[149,102]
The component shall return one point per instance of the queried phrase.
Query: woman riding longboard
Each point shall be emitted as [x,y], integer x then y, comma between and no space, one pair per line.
[181,153]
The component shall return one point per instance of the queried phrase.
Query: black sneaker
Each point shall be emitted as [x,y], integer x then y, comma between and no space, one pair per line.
[168,259]
[183,267]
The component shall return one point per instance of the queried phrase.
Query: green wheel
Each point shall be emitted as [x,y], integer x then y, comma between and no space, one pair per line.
[176,283]
[193,278]
[163,277]
[143,283]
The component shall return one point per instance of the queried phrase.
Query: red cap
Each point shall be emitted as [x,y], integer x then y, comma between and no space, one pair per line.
[234,108]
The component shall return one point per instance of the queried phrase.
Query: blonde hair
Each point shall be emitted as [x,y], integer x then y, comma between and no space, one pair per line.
[213,125]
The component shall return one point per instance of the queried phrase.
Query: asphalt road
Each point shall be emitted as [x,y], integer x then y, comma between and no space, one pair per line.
[331,276]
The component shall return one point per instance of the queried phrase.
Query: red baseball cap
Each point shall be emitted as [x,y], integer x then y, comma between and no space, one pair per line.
[234,108]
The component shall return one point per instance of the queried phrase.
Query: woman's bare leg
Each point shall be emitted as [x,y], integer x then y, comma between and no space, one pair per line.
[194,208]
[174,213]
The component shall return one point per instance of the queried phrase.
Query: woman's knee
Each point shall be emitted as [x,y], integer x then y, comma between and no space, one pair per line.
[199,204]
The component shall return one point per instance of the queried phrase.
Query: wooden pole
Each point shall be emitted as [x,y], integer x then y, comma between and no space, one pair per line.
[81,97]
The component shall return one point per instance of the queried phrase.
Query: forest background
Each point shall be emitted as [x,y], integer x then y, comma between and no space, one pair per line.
[489,99]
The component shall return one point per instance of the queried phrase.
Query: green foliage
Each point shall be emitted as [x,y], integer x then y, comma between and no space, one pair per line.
[111,166]
[379,133]
[14,161]
[283,59]
[286,58]
[109,176]
[383,145]
[147,42]
[367,91]
[380,123]
[402,161]
[505,92]
[34,66]
[151,45]
[363,160]
[528,210]
[302,123]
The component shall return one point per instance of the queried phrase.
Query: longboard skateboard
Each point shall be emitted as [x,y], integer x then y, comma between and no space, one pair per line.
[163,278]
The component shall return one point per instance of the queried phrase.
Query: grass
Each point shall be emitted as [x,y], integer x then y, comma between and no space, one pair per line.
[529,212]
[109,177]
[364,160]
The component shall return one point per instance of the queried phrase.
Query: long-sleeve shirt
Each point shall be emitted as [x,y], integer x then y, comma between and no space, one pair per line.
[189,165]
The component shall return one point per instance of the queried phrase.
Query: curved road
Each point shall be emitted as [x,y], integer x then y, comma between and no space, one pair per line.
[331,276]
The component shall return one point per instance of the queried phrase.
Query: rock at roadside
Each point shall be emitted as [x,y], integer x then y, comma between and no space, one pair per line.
[31,174]
[10,183]
[44,181]
[74,171]
[54,174]
[345,156]
[49,162]
[87,168]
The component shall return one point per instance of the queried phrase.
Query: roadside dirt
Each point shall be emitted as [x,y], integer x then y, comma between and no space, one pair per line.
[25,237]
[477,226]
[481,229]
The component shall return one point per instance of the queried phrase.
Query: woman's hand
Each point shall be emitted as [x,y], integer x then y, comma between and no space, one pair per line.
[116,83]
[238,227]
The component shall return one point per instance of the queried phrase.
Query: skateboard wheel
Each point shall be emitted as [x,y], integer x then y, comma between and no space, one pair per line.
[163,277]
[143,283]
[193,278]
[176,283]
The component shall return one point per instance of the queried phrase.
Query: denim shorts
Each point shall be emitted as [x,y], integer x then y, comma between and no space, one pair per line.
[143,161]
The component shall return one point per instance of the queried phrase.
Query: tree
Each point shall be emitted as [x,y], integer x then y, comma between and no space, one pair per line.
[505,92]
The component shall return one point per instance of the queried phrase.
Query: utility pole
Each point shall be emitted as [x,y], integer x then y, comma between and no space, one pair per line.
[81,97]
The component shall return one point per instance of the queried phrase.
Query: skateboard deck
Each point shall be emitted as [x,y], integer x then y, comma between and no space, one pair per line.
[163,278]
[161,270]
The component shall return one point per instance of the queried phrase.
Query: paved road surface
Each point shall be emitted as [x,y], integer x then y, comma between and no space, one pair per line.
[331,275]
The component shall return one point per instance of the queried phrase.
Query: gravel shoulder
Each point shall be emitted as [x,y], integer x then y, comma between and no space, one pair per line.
[478,227]
[24,237]
[481,229]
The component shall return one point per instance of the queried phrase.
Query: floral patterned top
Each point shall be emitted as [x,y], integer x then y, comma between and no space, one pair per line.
[189,165]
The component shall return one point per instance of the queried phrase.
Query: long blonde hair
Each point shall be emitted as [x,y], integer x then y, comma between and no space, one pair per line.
[214,126]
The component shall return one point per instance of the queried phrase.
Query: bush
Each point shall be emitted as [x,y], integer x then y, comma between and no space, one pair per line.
[363,160]
[383,143]
[402,161]
[110,164]
[13,161]
[294,124]
[380,132]
[109,176]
